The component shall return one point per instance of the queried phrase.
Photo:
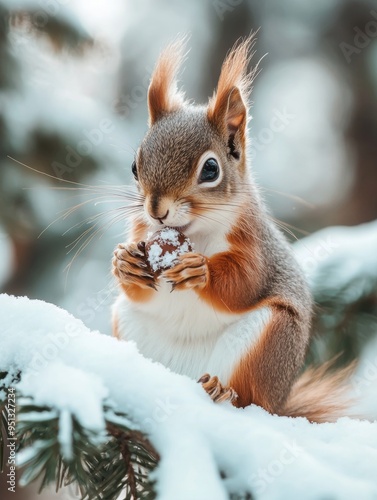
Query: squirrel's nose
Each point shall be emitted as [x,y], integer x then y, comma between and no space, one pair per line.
[161,219]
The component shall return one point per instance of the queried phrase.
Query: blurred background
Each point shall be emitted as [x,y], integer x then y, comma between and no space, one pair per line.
[73,81]
[73,85]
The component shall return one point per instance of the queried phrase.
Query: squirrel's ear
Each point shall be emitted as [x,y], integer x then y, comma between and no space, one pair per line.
[227,109]
[163,95]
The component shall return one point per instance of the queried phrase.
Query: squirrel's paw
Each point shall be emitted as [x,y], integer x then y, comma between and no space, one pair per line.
[130,266]
[190,272]
[218,393]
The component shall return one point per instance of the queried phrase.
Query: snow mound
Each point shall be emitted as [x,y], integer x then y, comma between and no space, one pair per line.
[207,450]
[340,254]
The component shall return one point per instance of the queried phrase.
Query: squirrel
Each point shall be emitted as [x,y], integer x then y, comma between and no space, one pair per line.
[236,312]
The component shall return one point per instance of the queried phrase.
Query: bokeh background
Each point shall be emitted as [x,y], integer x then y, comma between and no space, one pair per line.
[73,85]
[73,82]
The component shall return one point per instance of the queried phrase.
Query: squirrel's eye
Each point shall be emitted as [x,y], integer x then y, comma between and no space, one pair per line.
[134,169]
[210,171]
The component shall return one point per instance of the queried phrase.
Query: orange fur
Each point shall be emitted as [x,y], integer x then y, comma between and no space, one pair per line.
[163,96]
[133,290]
[228,106]
[321,395]
[257,270]
[254,379]
[234,74]
[136,293]
[235,276]
[318,394]
[139,231]
[115,329]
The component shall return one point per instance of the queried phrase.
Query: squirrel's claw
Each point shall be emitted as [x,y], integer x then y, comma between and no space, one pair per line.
[204,378]
[131,268]
[190,272]
[216,390]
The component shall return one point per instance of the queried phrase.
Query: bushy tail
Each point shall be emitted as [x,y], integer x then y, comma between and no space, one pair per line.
[321,394]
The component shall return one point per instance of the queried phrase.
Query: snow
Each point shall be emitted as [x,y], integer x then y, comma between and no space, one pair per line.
[80,371]
[73,382]
[341,254]
[341,262]
[65,434]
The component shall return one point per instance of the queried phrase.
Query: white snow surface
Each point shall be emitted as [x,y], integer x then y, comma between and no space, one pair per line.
[341,254]
[75,371]
[332,259]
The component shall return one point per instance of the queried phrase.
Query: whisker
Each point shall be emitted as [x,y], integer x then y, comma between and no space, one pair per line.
[214,207]
[71,210]
[205,217]
[245,230]
[90,238]
[290,196]
[119,189]
[46,174]
[121,148]
[125,211]
[301,231]
[94,218]
[286,229]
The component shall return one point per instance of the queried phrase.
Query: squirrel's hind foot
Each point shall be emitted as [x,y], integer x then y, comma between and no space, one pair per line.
[216,390]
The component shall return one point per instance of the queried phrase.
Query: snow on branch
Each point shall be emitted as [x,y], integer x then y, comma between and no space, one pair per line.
[341,267]
[90,385]
[337,256]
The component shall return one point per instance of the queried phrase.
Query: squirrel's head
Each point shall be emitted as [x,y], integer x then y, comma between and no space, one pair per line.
[191,166]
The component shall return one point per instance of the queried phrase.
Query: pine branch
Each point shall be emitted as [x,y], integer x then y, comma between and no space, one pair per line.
[6,380]
[345,320]
[126,441]
[102,466]
[3,435]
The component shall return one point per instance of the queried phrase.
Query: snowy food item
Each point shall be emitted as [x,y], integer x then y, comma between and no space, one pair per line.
[163,248]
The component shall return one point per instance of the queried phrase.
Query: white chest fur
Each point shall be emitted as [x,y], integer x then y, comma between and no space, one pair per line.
[186,334]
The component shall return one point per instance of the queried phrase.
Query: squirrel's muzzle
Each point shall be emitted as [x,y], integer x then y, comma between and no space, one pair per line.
[159,208]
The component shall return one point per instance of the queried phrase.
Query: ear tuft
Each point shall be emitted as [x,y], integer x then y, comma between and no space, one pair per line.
[236,110]
[227,109]
[163,95]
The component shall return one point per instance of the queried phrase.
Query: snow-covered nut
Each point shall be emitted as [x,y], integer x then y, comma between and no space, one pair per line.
[163,248]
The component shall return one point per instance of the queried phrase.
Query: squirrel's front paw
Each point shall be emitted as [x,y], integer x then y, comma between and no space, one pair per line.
[216,390]
[191,271]
[130,266]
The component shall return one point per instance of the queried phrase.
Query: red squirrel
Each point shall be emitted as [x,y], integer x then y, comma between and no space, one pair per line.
[234,313]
